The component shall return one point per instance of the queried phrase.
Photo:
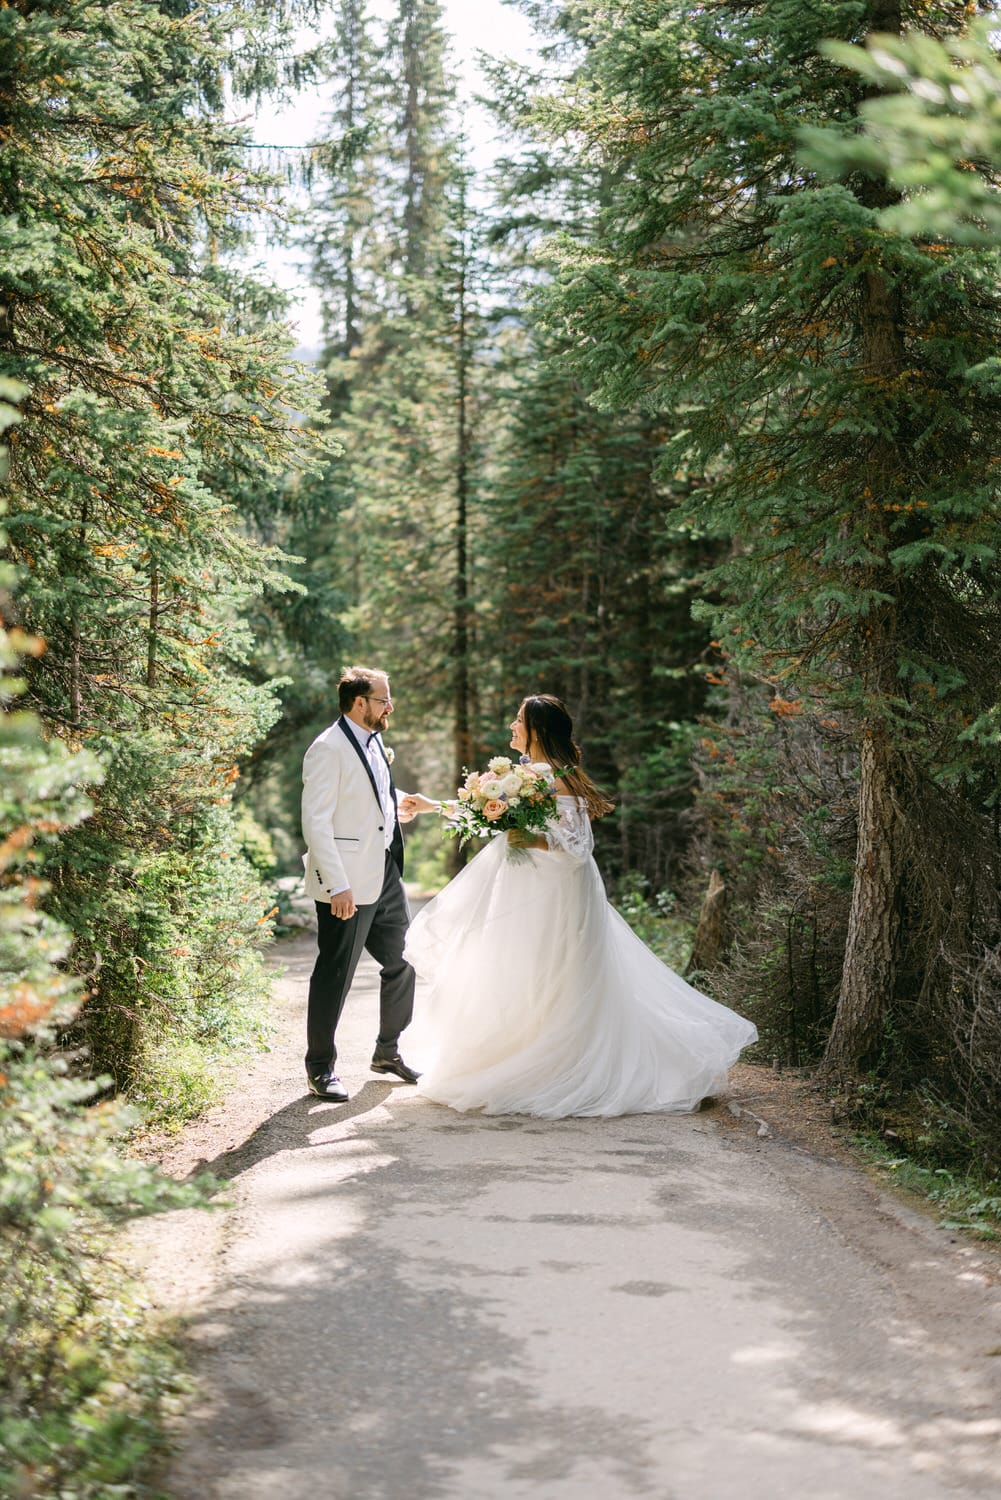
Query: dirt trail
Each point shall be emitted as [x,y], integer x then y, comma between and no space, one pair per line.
[405,1302]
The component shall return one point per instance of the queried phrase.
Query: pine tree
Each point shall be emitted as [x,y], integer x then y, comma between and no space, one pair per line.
[344,206]
[80,1386]
[828,369]
[158,395]
[585,584]
[589,594]
[391,530]
[421,144]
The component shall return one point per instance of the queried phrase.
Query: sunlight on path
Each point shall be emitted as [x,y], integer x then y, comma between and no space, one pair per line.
[415,1303]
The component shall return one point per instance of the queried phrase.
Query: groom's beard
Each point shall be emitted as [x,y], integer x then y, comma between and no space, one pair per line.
[377,723]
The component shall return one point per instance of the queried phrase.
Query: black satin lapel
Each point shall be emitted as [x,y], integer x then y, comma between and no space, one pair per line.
[352,740]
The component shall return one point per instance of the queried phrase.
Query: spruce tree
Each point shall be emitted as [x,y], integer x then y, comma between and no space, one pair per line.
[585,584]
[828,368]
[80,1384]
[390,533]
[158,396]
[588,594]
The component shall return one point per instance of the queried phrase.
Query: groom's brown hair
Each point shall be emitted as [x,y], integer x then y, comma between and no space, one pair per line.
[356,682]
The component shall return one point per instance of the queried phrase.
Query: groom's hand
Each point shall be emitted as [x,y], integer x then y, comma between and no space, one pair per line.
[343,905]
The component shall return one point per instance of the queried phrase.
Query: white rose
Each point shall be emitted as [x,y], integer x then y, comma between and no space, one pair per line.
[499,764]
[511,784]
[491,787]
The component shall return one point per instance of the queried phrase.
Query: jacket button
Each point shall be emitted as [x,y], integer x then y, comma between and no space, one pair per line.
[381,829]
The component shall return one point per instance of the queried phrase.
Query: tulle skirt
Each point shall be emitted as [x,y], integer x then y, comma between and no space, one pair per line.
[542,1001]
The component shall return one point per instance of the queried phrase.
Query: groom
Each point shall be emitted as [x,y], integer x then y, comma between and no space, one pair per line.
[354,867]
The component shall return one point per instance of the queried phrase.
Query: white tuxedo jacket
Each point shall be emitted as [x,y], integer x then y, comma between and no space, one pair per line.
[342,819]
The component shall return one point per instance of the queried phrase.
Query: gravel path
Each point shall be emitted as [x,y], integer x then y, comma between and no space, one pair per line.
[400,1301]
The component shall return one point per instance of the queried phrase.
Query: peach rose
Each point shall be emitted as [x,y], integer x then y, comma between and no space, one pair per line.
[494,809]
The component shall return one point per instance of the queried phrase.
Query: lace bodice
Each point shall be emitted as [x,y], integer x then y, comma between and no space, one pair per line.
[572,834]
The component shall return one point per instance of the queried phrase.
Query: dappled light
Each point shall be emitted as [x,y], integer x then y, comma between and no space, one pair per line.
[449,730]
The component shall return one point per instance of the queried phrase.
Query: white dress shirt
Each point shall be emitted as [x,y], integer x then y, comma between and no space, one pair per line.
[372,746]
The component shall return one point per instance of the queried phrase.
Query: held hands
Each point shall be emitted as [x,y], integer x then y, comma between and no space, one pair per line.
[414,803]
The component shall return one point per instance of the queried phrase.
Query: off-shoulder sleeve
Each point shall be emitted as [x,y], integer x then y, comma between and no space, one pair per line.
[572,834]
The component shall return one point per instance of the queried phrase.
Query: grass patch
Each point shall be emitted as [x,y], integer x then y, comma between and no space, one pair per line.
[968,1202]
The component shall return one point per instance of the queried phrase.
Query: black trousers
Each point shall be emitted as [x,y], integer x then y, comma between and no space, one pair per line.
[381,929]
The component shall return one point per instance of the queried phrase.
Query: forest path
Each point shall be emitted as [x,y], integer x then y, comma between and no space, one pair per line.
[406,1302]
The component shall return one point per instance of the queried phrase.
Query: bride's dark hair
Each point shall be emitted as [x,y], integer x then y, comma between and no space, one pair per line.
[550,727]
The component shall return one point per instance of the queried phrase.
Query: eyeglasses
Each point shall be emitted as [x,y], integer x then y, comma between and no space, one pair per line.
[387,701]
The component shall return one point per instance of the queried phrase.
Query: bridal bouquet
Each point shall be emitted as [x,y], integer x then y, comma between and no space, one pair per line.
[505,795]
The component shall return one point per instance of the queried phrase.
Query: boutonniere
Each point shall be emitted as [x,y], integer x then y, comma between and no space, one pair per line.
[389,753]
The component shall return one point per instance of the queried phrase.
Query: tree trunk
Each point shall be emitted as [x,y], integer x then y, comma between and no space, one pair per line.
[351,336]
[867,979]
[710,935]
[868,976]
[154,615]
[76,644]
[461,619]
[413,248]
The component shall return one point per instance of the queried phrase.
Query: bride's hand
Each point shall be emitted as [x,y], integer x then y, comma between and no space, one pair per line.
[412,803]
[519,838]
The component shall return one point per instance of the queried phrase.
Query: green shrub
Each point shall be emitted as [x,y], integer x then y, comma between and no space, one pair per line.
[653,917]
[170,941]
[255,842]
[84,1375]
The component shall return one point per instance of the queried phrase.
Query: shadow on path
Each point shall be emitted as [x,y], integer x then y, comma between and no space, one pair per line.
[438,1308]
[289,1128]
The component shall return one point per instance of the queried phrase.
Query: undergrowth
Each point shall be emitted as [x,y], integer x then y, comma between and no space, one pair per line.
[969,1202]
[654,918]
[87,1377]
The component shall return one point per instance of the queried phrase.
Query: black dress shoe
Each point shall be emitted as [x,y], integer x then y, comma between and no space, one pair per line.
[327,1086]
[392,1062]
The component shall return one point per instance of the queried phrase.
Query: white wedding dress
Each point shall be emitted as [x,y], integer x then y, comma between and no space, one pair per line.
[543,1001]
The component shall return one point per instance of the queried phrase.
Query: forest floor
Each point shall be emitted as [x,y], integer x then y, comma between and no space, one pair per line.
[394,1300]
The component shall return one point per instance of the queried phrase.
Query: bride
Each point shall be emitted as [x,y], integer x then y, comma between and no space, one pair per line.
[542,1000]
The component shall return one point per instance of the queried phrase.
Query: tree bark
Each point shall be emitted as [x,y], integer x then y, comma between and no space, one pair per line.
[461,625]
[76,644]
[710,935]
[413,254]
[351,335]
[868,975]
[869,971]
[154,615]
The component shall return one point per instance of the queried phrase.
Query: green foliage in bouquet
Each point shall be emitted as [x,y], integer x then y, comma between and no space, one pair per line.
[504,797]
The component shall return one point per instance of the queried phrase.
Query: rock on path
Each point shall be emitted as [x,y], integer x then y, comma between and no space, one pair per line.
[405,1302]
